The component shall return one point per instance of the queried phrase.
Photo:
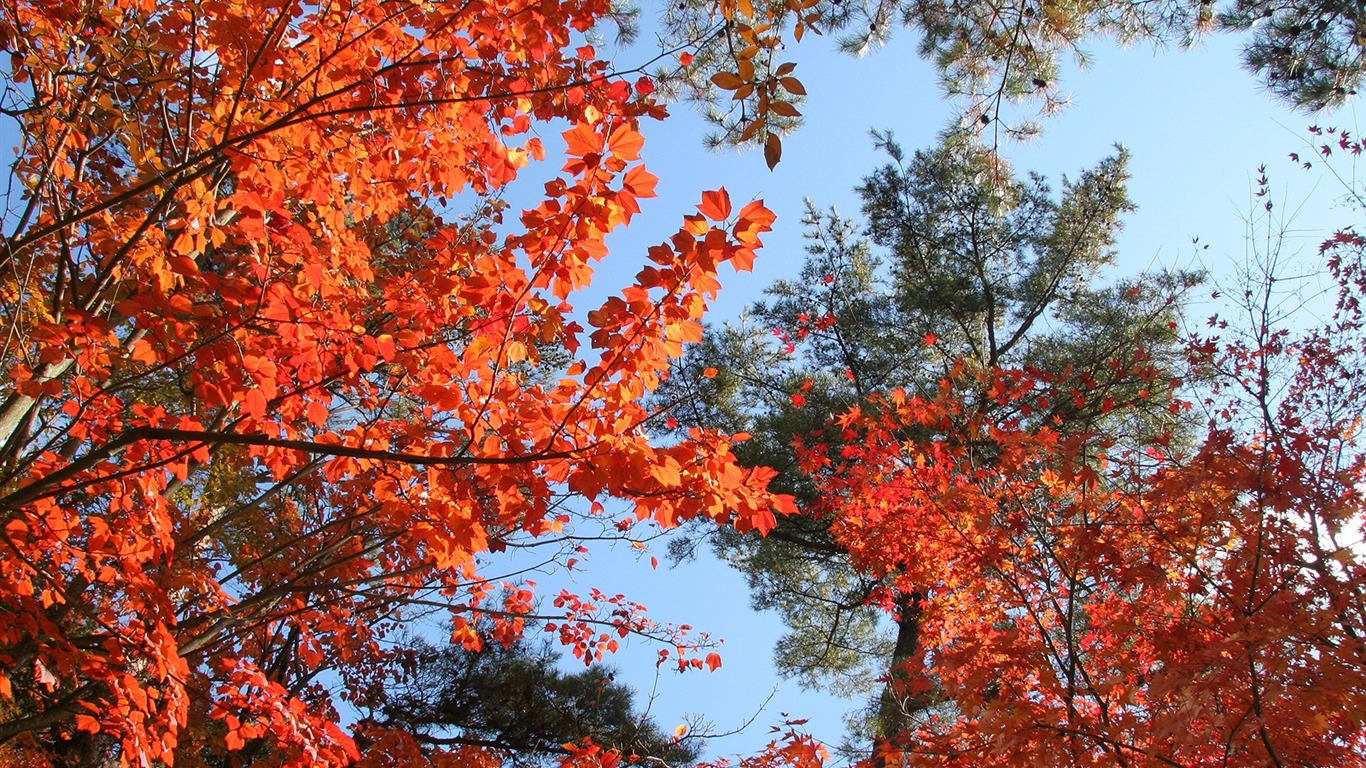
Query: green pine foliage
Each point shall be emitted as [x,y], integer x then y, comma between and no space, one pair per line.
[956,263]
[517,700]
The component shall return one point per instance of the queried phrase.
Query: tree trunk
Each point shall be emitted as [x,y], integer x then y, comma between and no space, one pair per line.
[901,700]
[14,412]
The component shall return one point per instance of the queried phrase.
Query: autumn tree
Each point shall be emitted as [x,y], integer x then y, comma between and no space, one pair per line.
[1088,590]
[1191,603]
[279,364]
[983,275]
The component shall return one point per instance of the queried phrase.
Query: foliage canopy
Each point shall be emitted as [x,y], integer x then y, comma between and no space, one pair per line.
[278,363]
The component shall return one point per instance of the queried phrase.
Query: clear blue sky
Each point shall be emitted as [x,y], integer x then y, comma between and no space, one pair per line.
[1198,127]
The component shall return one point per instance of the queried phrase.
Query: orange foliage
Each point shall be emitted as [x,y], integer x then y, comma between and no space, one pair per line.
[1087,604]
[278,364]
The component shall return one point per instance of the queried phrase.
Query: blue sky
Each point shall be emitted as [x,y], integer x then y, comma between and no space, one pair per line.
[1197,126]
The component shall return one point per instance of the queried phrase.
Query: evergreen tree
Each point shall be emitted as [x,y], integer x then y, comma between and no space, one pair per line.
[991,56]
[962,266]
[515,699]
[1311,54]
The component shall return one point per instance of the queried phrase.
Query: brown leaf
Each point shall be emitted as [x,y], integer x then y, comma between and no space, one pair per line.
[727,80]
[746,69]
[773,150]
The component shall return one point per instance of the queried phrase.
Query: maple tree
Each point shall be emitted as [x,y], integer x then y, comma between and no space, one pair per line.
[1196,606]
[279,364]
[1065,588]
[1193,608]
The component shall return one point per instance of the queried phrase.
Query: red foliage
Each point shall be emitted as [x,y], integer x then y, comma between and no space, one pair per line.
[263,392]
[1083,604]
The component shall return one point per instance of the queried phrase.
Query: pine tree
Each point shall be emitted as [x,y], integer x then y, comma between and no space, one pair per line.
[515,700]
[962,267]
